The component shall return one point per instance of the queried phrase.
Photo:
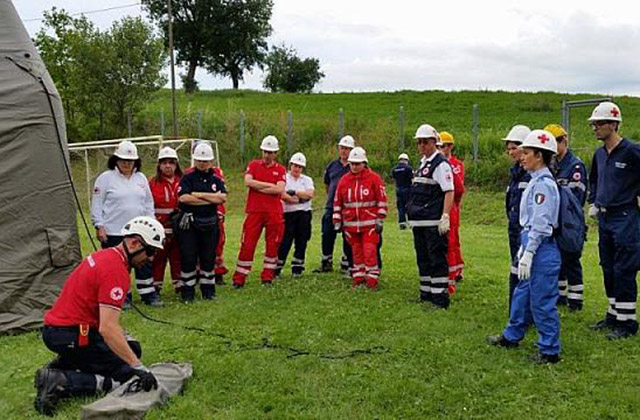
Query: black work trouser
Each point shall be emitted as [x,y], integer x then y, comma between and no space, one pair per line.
[297,231]
[197,250]
[431,256]
[329,235]
[570,282]
[514,245]
[402,198]
[81,364]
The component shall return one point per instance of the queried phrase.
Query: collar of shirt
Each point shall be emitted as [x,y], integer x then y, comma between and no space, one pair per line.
[263,163]
[541,172]
[622,144]
[430,158]
[122,175]
[122,253]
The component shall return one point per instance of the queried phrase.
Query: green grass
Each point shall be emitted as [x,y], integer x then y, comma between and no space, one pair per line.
[425,364]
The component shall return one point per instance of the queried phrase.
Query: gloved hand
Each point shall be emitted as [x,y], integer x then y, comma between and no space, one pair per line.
[378,226]
[444,225]
[185,221]
[524,265]
[593,211]
[337,226]
[146,378]
[292,193]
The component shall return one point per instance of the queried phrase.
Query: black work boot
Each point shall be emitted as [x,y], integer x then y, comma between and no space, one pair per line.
[187,293]
[603,324]
[219,280]
[51,386]
[499,340]
[208,291]
[325,267]
[153,299]
[562,301]
[542,359]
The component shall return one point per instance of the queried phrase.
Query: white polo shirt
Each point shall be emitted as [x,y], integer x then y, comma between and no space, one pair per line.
[302,183]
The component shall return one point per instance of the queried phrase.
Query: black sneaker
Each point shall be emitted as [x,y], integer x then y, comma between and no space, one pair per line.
[603,324]
[219,280]
[51,386]
[324,268]
[620,333]
[542,359]
[499,340]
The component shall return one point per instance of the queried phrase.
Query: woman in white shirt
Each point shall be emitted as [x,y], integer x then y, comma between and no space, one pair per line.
[299,191]
[120,194]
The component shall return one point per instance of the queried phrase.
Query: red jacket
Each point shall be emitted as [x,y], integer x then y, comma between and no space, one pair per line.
[360,201]
[458,178]
[165,199]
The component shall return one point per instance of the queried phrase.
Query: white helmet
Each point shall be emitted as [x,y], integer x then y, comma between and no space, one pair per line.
[203,152]
[606,111]
[541,139]
[149,229]
[269,144]
[357,155]
[347,141]
[167,153]
[425,131]
[299,159]
[403,156]
[518,133]
[126,150]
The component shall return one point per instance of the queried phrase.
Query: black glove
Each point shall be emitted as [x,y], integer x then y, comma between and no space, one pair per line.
[292,193]
[146,379]
[378,227]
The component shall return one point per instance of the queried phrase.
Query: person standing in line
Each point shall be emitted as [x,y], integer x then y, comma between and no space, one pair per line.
[164,189]
[265,179]
[335,170]
[299,191]
[518,180]
[402,173]
[120,194]
[614,186]
[430,203]
[454,253]
[359,209]
[570,172]
[535,297]
[200,193]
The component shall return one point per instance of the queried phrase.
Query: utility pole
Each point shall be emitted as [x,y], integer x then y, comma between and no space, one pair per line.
[173,72]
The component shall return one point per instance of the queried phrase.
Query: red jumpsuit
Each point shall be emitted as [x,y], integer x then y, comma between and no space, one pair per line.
[165,199]
[263,211]
[454,255]
[220,268]
[360,202]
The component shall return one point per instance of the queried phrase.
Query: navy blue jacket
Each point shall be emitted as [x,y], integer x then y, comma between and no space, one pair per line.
[332,175]
[198,181]
[571,172]
[402,174]
[615,177]
[518,181]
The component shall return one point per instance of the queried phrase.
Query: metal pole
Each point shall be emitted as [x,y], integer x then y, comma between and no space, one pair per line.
[129,122]
[173,72]
[401,122]
[87,170]
[565,115]
[289,131]
[162,122]
[475,133]
[341,126]
[200,124]
[242,133]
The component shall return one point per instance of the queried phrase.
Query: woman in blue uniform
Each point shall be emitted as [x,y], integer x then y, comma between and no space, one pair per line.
[536,295]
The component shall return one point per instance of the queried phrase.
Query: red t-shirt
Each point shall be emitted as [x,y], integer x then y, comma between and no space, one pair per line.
[101,279]
[261,202]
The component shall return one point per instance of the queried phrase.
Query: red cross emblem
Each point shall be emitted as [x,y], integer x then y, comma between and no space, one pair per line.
[543,138]
[614,111]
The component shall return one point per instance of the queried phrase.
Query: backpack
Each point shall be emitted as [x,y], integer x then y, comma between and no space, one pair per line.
[572,229]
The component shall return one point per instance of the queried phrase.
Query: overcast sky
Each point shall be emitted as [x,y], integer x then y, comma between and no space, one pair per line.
[366,45]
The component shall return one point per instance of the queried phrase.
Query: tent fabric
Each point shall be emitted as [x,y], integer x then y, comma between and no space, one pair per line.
[39,243]
[117,404]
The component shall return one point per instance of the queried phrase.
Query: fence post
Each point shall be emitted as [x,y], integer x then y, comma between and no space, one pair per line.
[290,131]
[566,123]
[401,122]
[475,134]
[242,133]
[199,118]
[129,122]
[341,126]
[162,122]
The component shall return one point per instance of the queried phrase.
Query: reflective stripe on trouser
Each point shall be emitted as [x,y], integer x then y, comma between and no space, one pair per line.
[619,247]
[254,222]
[144,283]
[454,254]
[170,253]
[534,300]
[197,251]
[365,256]
[219,266]
[431,256]
[297,232]
[570,283]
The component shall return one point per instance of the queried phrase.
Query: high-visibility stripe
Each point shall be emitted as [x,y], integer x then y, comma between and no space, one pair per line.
[626,317]
[207,281]
[578,185]
[576,288]
[245,263]
[562,283]
[382,211]
[358,204]
[424,223]
[163,211]
[612,311]
[146,290]
[626,305]
[190,283]
[456,267]
[438,290]
[337,208]
[271,259]
[426,289]
[612,301]
[360,223]
[337,216]
[440,280]
[425,278]
[189,274]
[575,296]
[358,274]
[269,266]
[242,270]
[144,281]
[168,231]
[423,180]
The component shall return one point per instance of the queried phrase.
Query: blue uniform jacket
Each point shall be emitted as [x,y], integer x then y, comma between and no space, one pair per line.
[571,172]
[402,174]
[615,177]
[518,180]
[332,175]
[539,208]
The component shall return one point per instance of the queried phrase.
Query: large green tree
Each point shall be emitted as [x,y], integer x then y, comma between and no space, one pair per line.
[287,72]
[227,37]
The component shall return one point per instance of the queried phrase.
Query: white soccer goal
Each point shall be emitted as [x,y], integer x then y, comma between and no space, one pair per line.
[89,159]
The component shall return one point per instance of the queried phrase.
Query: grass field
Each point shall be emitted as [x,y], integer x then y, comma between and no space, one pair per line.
[368,355]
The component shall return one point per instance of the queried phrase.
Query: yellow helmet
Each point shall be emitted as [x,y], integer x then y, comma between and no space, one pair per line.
[446,138]
[556,129]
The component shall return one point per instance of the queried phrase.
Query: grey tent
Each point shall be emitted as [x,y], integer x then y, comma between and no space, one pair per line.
[38,237]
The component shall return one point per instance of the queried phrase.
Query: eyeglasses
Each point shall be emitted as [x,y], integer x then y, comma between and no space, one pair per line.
[598,124]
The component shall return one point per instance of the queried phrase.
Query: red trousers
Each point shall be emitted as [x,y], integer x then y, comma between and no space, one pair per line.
[273,223]
[365,257]
[454,255]
[170,253]
[220,268]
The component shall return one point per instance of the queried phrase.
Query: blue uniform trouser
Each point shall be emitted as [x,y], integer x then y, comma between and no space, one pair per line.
[570,284]
[514,245]
[329,235]
[534,300]
[619,248]
[402,198]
